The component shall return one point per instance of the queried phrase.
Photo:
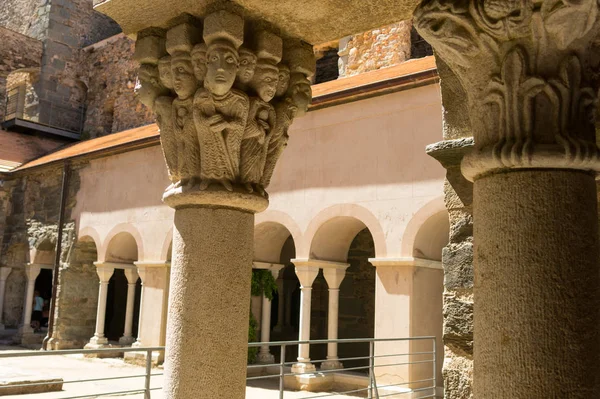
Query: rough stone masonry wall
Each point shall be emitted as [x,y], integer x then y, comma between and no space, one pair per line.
[32,204]
[18,15]
[112,105]
[379,48]
[457,257]
[17,51]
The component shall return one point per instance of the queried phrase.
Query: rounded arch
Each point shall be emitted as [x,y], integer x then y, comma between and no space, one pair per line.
[43,251]
[269,239]
[90,232]
[167,248]
[123,244]
[330,233]
[283,219]
[426,231]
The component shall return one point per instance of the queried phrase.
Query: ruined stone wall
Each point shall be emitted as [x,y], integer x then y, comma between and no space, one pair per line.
[17,52]
[376,49]
[112,105]
[18,15]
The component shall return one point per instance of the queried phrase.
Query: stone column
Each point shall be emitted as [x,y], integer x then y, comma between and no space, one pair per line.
[32,271]
[4,272]
[531,81]
[225,94]
[306,274]
[132,276]
[104,274]
[288,302]
[264,355]
[280,306]
[334,274]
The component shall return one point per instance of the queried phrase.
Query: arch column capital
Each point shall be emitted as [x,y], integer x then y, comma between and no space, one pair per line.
[530,77]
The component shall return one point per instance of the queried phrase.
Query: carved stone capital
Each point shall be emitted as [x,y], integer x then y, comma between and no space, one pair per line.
[530,76]
[225,91]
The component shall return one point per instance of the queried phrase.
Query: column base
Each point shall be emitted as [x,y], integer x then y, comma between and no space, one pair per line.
[97,341]
[332,364]
[127,341]
[26,336]
[317,382]
[137,344]
[303,368]
[265,358]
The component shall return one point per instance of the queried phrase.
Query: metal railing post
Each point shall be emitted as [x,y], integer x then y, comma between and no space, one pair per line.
[148,374]
[281,370]
[434,368]
[371,364]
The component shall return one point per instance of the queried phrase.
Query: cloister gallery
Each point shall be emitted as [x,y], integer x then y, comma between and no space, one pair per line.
[494,248]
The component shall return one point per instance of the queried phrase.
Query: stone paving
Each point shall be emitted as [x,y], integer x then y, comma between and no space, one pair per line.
[76,367]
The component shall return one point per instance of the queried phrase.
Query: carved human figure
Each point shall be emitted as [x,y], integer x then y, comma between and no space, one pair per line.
[198,55]
[220,114]
[163,107]
[188,151]
[246,68]
[164,71]
[295,103]
[284,80]
[149,86]
[261,121]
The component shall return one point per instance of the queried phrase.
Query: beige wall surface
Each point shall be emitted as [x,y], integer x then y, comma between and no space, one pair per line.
[362,161]
[356,165]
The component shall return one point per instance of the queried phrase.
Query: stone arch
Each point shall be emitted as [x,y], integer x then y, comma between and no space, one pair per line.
[21,95]
[418,221]
[283,219]
[122,245]
[167,248]
[89,233]
[43,251]
[432,237]
[269,239]
[331,232]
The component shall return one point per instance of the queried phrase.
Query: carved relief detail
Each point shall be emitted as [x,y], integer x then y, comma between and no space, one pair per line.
[224,95]
[527,70]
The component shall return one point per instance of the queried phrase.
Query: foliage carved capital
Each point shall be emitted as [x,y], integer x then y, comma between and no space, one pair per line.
[531,78]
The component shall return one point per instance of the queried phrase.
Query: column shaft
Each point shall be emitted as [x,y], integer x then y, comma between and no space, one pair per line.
[207,329]
[4,272]
[28,303]
[280,306]
[101,312]
[332,322]
[265,331]
[537,286]
[127,335]
[138,340]
[305,308]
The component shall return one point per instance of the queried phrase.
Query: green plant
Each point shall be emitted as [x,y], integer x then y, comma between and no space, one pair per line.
[252,327]
[263,282]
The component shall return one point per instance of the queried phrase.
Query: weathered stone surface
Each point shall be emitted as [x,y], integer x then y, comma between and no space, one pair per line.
[458,374]
[458,266]
[17,52]
[379,48]
[458,321]
[110,74]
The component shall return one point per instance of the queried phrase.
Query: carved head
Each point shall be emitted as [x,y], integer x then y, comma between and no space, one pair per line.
[198,55]
[300,92]
[284,80]
[149,86]
[265,81]
[164,71]
[222,66]
[184,81]
[247,65]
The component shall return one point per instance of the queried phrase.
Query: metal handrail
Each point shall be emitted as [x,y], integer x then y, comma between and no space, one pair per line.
[372,389]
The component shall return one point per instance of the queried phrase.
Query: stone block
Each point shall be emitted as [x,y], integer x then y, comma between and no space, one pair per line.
[182,38]
[268,46]
[300,58]
[461,224]
[458,322]
[458,376]
[458,265]
[223,25]
[149,49]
